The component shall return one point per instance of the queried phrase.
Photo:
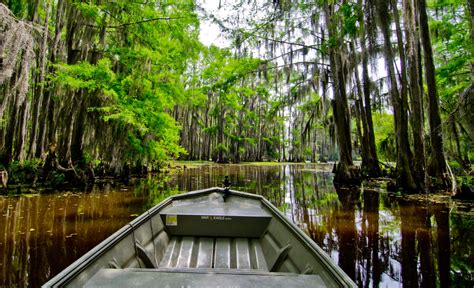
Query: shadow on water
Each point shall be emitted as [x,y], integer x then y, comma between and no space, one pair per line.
[378,240]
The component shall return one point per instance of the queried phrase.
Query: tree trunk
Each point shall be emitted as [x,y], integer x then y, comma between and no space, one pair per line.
[370,163]
[418,175]
[220,133]
[470,3]
[416,96]
[78,129]
[404,175]
[437,162]
[38,99]
[20,138]
[6,153]
[345,171]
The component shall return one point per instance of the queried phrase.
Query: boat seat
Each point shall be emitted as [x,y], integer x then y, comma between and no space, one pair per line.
[211,216]
[198,278]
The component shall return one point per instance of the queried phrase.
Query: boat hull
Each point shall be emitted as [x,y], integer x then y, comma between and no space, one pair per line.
[202,238]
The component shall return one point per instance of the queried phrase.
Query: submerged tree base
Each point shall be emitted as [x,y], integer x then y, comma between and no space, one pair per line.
[346,175]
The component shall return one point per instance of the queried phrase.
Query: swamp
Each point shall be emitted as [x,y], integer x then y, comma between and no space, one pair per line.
[353,117]
[378,238]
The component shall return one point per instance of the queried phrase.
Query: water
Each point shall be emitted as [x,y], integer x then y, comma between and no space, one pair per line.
[380,241]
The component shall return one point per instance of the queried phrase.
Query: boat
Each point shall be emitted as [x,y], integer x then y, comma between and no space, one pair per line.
[214,237]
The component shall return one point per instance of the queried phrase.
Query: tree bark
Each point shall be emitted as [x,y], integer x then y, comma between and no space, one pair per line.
[437,162]
[220,132]
[78,129]
[370,163]
[404,175]
[37,103]
[416,88]
[345,171]
[470,3]
[6,153]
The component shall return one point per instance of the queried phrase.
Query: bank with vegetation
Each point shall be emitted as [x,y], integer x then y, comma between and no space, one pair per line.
[116,88]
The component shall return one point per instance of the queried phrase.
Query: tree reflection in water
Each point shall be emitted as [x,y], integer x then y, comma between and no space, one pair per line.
[421,243]
[378,240]
[42,234]
[369,239]
[441,213]
[346,229]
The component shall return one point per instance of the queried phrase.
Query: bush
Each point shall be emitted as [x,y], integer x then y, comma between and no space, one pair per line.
[455,167]
[56,178]
[27,171]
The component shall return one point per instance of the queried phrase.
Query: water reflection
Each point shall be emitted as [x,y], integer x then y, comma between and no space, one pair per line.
[441,213]
[42,234]
[370,239]
[346,229]
[425,244]
[376,239]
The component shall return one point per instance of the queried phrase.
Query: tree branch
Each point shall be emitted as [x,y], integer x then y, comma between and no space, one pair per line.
[137,22]
[315,47]
[146,21]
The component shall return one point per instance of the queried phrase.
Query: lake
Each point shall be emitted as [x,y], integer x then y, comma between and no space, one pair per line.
[377,238]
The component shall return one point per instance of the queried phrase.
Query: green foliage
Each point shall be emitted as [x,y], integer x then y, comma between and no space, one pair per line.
[453,50]
[461,228]
[221,147]
[307,152]
[19,7]
[350,13]
[465,180]
[223,71]
[211,130]
[88,10]
[312,104]
[455,166]
[56,179]
[27,171]
[90,161]
[470,156]
[85,76]
[232,97]
[384,136]
[139,67]
[139,82]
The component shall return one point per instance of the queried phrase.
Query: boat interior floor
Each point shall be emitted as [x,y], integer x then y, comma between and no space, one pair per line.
[206,252]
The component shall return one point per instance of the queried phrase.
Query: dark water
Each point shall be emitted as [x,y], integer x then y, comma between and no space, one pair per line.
[380,241]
